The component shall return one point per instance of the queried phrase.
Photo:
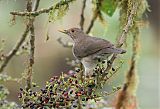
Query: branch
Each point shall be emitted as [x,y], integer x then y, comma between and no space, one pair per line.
[128,91]
[92,23]
[15,49]
[96,13]
[31,57]
[41,11]
[124,33]
[32,48]
[32,43]
[82,15]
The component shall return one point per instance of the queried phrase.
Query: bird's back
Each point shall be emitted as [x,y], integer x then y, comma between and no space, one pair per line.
[90,45]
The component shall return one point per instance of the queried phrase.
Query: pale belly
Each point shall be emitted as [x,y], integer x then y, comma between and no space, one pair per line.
[91,62]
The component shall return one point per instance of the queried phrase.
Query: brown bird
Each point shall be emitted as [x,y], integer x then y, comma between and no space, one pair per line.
[90,50]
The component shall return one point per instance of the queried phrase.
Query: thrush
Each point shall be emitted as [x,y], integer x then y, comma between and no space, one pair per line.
[90,50]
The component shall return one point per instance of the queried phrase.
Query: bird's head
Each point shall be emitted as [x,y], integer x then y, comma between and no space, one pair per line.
[74,33]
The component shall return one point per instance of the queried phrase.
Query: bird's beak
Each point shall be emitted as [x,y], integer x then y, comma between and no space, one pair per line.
[63,31]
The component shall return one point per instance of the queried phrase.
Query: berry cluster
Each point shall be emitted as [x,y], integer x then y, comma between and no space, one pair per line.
[64,91]
[68,90]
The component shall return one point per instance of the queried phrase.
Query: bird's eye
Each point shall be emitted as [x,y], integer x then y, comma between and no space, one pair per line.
[72,31]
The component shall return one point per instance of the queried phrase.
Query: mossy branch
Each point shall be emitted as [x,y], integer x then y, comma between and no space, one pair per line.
[32,43]
[126,98]
[41,11]
[128,91]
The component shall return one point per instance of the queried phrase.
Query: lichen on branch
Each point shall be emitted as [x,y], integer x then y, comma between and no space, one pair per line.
[127,96]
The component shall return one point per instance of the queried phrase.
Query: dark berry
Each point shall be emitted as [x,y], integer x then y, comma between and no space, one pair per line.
[77,70]
[71,91]
[21,89]
[76,81]
[103,62]
[113,69]
[74,106]
[83,99]
[19,95]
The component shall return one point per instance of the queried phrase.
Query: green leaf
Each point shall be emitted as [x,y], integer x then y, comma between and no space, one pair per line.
[109,7]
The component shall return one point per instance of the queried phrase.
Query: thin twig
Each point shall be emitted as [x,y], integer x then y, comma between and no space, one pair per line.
[96,13]
[41,11]
[82,15]
[36,5]
[92,23]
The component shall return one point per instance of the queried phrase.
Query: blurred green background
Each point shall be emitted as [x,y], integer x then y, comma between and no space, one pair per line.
[50,55]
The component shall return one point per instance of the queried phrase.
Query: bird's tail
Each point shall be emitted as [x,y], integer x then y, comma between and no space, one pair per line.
[119,50]
[112,50]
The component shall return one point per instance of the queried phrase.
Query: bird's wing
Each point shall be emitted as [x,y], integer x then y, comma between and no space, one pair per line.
[90,46]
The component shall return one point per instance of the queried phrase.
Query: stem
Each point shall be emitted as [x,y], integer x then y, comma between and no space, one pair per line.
[82,15]
[96,14]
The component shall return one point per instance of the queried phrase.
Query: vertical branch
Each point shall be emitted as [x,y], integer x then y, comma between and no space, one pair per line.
[31,57]
[126,98]
[29,71]
[82,15]
[29,5]
[32,43]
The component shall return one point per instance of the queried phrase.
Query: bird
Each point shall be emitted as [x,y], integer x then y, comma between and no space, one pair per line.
[90,50]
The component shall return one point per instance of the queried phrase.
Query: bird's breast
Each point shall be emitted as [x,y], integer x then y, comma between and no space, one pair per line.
[78,51]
